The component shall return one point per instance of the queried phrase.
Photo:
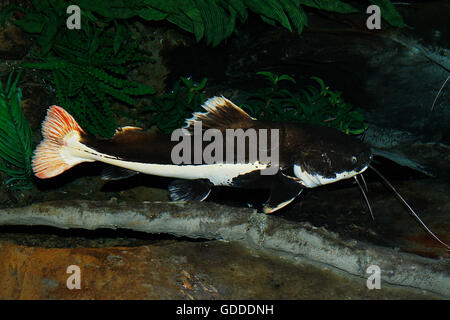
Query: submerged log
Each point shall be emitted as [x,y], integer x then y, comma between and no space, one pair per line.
[291,240]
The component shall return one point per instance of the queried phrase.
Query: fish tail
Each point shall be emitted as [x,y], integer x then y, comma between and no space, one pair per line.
[61,148]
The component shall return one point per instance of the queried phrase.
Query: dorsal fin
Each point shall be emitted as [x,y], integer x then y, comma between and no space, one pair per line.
[125,129]
[220,113]
[128,134]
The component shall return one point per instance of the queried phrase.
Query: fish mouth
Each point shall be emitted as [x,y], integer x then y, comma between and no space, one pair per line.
[363,169]
[312,180]
[343,175]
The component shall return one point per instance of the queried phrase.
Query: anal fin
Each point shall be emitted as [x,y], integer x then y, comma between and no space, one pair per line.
[116,173]
[284,190]
[186,190]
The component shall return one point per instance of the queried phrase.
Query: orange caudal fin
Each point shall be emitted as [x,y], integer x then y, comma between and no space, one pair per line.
[61,148]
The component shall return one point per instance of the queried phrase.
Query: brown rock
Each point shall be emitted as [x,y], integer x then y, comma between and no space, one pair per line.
[13,43]
[176,270]
[109,273]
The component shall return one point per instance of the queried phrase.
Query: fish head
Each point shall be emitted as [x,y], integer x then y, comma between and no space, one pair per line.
[327,155]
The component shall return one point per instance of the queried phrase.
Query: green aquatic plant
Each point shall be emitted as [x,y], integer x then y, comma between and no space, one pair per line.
[15,137]
[312,104]
[215,20]
[88,80]
[169,110]
[88,67]
[212,20]
[389,12]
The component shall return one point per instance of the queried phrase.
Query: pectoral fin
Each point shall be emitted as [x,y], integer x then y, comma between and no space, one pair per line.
[185,190]
[284,190]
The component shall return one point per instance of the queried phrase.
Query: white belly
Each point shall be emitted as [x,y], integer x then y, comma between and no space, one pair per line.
[220,174]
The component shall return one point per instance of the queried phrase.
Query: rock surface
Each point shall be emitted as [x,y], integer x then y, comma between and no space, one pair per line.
[14,44]
[176,270]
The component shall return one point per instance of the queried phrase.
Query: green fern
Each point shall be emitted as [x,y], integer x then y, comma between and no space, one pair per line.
[88,67]
[312,104]
[212,20]
[15,136]
[389,12]
[170,110]
[215,20]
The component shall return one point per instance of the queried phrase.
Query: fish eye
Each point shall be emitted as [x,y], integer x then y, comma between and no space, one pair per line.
[354,159]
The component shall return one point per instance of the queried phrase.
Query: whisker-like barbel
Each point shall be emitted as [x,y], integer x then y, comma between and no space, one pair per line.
[365,197]
[364,182]
[439,92]
[412,212]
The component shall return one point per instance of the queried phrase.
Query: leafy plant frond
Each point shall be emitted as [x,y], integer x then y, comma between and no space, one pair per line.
[389,12]
[170,110]
[15,136]
[88,66]
[212,20]
[310,104]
